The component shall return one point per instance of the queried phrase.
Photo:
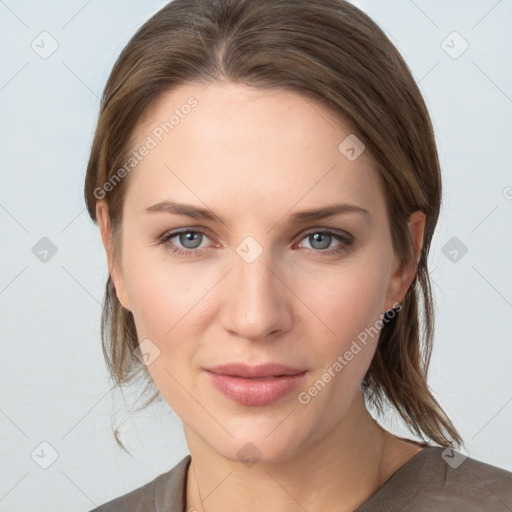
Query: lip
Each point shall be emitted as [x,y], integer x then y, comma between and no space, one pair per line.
[253,372]
[255,385]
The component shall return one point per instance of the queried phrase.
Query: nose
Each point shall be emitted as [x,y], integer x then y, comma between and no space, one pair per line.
[257,300]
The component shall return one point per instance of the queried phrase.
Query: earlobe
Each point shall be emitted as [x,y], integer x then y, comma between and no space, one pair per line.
[104,224]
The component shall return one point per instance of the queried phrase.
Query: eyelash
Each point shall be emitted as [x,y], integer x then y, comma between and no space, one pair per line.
[345,242]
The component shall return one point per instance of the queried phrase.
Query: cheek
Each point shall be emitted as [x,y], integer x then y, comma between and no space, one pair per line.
[349,300]
[163,300]
[168,304]
[350,306]
[161,294]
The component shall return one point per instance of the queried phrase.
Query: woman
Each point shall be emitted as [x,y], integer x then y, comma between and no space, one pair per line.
[265,179]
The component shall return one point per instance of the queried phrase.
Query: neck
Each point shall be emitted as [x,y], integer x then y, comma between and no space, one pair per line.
[339,472]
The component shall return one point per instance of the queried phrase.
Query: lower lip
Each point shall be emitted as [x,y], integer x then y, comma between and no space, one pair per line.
[255,391]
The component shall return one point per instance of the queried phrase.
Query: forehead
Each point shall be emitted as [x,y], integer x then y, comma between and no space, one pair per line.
[233,144]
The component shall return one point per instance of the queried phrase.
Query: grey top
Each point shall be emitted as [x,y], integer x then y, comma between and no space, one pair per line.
[427,482]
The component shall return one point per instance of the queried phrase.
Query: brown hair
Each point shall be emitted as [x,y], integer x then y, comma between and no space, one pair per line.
[328,51]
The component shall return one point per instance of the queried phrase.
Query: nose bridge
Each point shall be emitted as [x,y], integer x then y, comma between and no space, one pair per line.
[256,304]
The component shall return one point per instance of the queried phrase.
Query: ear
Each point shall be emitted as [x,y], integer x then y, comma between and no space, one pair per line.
[103,219]
[403,276]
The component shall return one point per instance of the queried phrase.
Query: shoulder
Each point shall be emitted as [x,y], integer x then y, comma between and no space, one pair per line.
[476,484]
[444,480]
[163,493]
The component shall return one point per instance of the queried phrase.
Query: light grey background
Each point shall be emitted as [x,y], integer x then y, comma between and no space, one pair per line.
[54,385]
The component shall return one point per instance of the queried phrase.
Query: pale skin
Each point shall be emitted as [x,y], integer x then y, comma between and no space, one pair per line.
[254,158]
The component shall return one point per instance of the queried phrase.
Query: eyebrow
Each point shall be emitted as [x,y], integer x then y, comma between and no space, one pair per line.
[195,212]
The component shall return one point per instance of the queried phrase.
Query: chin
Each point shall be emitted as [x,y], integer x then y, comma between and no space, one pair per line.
[252,445]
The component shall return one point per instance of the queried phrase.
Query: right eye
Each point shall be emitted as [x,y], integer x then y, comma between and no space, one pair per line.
[188,242]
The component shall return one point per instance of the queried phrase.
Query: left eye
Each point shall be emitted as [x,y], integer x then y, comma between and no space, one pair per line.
[320,240]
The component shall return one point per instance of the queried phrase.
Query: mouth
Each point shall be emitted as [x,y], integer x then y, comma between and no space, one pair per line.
[255,385]
[260,371]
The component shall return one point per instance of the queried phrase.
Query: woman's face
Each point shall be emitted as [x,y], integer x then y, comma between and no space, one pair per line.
[254,282]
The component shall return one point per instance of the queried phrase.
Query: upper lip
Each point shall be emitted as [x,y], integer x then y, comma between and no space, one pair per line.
[260,370]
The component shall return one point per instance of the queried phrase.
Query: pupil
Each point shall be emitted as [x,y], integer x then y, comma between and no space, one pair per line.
[190,238]
[323,239]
